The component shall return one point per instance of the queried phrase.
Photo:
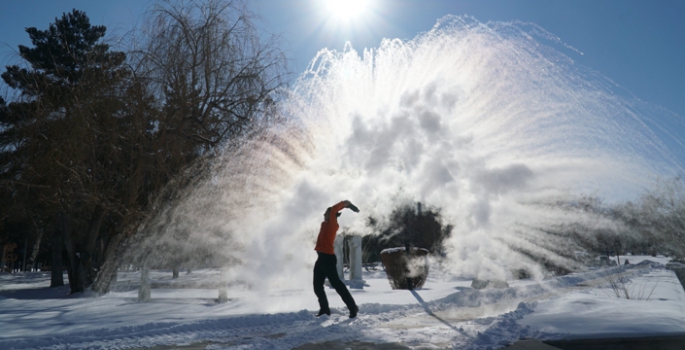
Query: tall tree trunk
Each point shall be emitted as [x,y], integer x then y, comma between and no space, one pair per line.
[87,256]
[75,269]
[108,271]
[23,264]
[56,278]
[2,261]
[36,246]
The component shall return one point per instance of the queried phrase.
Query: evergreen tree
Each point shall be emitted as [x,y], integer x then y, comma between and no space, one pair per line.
[69,50]
[55,136]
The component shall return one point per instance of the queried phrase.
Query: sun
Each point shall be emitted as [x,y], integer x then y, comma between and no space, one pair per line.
[346,10]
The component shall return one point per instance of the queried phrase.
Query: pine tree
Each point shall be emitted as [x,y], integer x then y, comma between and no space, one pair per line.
[53,134]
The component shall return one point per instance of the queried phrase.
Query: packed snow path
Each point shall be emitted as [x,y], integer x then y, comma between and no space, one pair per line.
[447,313]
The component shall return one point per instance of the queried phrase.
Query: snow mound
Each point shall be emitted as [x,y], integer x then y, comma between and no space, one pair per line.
[505,329]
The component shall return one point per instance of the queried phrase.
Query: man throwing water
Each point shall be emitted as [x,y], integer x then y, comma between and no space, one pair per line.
[325,264]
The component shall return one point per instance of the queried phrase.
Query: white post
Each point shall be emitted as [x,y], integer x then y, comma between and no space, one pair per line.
[144,291]
[338,248]
[223,286]
[356,280]
[356,258]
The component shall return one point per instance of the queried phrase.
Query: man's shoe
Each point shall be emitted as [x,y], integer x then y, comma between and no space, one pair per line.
[323,312]
[353,311]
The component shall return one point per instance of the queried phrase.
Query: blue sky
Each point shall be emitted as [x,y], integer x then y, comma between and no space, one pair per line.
[638,44]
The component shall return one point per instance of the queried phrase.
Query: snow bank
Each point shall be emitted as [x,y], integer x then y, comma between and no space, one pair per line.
[446,313]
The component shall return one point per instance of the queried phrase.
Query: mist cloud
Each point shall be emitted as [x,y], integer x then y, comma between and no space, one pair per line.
[476,119]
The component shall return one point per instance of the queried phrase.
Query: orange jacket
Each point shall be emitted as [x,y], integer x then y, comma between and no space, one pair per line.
[324,243]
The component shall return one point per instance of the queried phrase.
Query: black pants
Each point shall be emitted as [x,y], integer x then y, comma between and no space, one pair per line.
[325,268]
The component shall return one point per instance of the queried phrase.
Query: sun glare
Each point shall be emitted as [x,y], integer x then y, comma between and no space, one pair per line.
[347,9]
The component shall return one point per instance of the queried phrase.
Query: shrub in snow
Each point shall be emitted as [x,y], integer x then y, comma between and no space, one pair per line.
[399,267]
[489,284]
[521,274]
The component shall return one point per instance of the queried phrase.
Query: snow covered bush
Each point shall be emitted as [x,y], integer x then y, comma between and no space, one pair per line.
[399,267]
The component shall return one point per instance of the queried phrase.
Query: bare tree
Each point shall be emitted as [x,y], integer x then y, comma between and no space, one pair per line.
[210,67]
[663,214]
[211,76]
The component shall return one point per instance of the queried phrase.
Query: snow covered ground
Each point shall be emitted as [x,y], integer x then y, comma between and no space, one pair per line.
[446,313]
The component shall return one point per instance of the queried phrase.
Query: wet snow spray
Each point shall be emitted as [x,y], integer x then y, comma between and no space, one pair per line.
[485,121]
